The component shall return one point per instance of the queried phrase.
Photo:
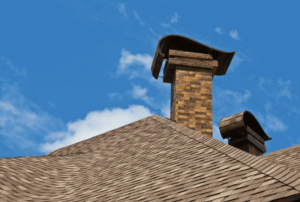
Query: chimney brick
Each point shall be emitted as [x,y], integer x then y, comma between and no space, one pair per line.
[190,67]
[191,89]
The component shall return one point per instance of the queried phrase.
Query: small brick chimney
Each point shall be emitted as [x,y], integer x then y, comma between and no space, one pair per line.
[190,67]
[244,132]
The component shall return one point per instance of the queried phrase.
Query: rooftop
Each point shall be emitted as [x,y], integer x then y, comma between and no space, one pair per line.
[153,159]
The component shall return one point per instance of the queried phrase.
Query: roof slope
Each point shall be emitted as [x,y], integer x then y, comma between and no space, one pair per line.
[290,157]
[153,159]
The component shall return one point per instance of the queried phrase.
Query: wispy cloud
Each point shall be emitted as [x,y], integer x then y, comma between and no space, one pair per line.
[262,82]
[219,30]
[138,18]
[115,95]
[272,123]
[153,32]
[141,93]
[131,64]
[122,9]
[18,72]
[293,109]
[237,60]
[237,97]
[21,121]
[139,66]
[234,34]
[284,89]
[174,18]
[268,105]
[166,25]
[95,123]
[52,105]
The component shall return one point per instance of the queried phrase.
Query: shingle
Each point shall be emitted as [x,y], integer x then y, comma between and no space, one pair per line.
[288,176]
[284,173]
[151,159]
[291,192]
[257,200]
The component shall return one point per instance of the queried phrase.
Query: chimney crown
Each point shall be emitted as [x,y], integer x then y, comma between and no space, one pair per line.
[181,43]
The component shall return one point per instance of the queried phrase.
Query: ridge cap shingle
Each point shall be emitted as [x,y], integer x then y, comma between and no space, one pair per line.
[238,154]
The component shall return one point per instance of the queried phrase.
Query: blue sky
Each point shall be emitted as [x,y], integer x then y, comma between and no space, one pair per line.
[70,70]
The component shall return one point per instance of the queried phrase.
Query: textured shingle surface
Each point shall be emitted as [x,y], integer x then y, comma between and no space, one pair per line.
[153,159]
[290,157]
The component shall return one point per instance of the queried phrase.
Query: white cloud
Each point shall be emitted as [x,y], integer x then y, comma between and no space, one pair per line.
[174,18]
[138,92]
[8,107]
[219,30]
[115,95]
[141,93]
[95,123]
[166,25]
[21,121]
[130,64]
[138,18]
[234,97]
[293,109]
[273,123]
[13,68]
[238,58]
[122,9]
[261,83]
[284,89]
[234,34]
[153,32]
[236,61]
[268,105]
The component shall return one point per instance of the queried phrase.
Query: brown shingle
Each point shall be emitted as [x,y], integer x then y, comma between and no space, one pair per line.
[152,159]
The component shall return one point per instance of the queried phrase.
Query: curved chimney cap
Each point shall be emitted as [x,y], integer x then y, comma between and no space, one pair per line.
[177,42]
[238,124]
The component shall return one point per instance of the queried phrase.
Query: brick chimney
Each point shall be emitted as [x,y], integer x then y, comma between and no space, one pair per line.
[190,67]
[244,132]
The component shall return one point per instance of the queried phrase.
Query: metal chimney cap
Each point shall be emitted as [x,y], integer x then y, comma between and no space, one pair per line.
[182,43]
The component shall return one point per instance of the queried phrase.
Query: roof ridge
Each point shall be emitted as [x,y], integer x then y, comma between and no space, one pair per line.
[290,178]
[82,142]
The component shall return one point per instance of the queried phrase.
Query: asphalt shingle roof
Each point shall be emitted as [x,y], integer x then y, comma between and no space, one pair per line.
[290,157]
[153,159]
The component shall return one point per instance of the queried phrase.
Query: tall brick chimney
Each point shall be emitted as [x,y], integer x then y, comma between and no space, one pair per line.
[190,67]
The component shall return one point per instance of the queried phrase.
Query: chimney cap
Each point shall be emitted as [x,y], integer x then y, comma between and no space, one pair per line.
[182,43]
[241,123]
